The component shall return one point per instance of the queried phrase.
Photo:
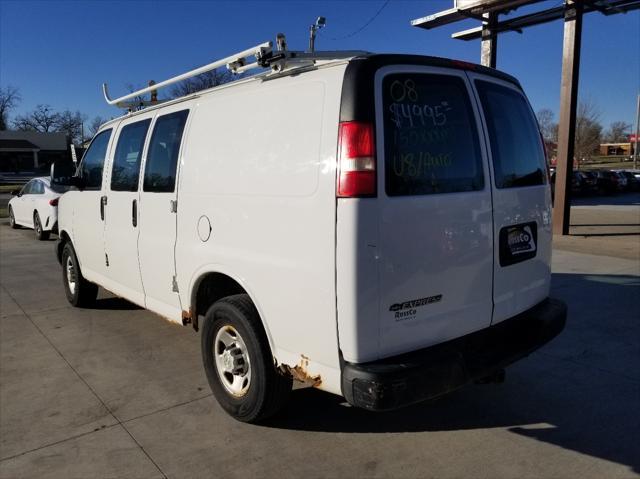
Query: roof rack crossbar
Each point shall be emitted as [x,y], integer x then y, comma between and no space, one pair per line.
[258,51]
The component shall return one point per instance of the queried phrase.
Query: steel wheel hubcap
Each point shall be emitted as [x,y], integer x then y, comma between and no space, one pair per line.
[232,361]
[71,275]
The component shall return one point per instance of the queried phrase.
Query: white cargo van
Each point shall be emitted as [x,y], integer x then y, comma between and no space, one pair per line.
[377,226]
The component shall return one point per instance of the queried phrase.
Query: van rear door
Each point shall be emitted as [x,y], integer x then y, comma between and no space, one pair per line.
[435,251]
[521,197]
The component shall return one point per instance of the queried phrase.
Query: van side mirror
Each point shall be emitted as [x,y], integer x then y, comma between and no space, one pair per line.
[15,192]
[63,173]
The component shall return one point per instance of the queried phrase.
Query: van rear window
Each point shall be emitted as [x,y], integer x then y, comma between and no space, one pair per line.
[516,145]
[430,136]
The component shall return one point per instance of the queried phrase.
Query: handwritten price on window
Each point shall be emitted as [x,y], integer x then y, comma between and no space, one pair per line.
[411,112]
[415,165]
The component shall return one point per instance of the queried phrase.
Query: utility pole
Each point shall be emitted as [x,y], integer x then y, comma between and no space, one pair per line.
[635,145]
[489,43]
[568,107]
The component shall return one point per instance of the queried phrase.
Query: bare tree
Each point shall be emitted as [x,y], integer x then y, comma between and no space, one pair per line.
[548,125]
[549,130]
[618,132]
[42,119]
[45,120]
[95,125]
[202,82]
[9,99]
[588,130]
[71,123]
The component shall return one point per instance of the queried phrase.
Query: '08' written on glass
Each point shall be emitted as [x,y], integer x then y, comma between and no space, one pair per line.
[406,110]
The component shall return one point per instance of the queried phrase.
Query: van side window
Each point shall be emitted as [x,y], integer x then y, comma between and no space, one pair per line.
[93,161]
[516,146]
[126,160]
[162,159]
[431,142]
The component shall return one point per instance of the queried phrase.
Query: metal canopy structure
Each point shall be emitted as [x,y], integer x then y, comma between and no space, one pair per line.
[571,11]
[480,10]
[605,7]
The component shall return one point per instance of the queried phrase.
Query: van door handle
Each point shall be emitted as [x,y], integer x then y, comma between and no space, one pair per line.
[103,202]
[134,213]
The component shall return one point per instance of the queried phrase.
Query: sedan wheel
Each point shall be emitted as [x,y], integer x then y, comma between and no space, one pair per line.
[37,226]
[12,219]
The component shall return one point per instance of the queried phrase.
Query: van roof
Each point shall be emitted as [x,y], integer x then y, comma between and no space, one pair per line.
[367,63]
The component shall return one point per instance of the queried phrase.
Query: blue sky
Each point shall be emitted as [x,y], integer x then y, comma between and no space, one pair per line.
[59,52]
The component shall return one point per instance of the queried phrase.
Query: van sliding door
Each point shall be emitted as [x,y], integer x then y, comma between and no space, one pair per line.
[158,212]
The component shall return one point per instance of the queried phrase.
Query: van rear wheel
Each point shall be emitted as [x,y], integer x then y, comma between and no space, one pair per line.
[80,292]
[238,361]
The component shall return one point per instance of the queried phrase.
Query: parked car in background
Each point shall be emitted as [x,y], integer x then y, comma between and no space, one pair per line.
[579,184]
[589,183]
[607,182]
[36,206]
[632,180]
[622,180]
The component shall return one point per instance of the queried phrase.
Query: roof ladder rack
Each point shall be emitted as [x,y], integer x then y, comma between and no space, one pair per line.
[278,61]
[236,63]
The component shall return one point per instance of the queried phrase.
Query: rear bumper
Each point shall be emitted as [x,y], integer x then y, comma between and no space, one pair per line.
[428,373]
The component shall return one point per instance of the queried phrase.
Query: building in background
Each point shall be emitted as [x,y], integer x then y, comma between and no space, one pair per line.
[30,153]
[616,149]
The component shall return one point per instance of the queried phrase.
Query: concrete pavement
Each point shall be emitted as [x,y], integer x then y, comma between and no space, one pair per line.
[116,391]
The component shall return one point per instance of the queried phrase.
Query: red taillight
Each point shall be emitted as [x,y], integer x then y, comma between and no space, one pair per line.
[54,202]
[356,160]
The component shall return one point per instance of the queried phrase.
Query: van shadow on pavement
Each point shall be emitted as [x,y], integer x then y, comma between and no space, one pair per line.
[115,304]
[580,392]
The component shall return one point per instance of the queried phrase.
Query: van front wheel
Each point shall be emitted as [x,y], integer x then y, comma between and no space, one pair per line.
[80,292]
[238,361]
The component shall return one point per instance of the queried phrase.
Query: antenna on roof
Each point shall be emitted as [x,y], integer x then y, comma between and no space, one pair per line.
[321,22]
[281,42]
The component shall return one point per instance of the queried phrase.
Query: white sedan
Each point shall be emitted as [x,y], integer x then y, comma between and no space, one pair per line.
[36,206]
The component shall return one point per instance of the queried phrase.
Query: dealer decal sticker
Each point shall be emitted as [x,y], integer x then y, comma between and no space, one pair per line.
[407,309]
[520,240]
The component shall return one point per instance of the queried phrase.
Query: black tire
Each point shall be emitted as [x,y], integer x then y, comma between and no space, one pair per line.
[268,390]
[12,219]
[83,293]
[37,227]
